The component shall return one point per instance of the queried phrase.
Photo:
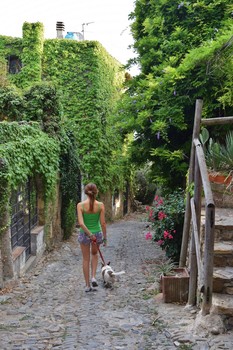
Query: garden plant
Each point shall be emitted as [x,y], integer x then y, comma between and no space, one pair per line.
[166,216]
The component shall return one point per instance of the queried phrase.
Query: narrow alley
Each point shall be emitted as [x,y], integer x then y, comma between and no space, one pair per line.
[49,308]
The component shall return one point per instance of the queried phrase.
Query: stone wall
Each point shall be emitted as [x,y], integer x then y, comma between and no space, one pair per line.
[13,263]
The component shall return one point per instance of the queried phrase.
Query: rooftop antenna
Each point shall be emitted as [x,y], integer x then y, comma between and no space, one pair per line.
[85,24]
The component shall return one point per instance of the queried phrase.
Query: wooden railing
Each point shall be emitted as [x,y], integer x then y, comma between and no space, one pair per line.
[200,264]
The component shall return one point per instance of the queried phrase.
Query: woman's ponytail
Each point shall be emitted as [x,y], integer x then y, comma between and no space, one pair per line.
[91,191]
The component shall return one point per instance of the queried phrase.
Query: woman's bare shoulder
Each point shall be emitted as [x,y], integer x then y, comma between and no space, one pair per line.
[81,204]
[101,205]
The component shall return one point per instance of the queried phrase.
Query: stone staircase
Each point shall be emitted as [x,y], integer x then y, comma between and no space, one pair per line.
[223,261]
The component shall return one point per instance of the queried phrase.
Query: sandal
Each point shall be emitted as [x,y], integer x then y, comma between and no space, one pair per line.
[94,282]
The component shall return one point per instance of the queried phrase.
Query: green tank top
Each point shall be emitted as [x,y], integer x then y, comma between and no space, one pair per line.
[92,221]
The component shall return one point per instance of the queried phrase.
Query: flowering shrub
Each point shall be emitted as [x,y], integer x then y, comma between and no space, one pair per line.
[166,216]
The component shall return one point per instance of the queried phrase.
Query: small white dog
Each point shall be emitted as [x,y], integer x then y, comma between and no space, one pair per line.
[109,275]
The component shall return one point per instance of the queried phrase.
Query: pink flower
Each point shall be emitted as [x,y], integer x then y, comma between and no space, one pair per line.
[160,242]
[147,208]
[165,234]
[158,200]
[161,215]
[148,236]
[170,237]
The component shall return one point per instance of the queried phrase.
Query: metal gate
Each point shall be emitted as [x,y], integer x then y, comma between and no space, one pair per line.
[24,216]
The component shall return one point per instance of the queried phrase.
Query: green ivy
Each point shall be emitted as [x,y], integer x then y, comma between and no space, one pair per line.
[90,81]
[4,195]
[12,103]
[32,50]
[71,90]
[27,151]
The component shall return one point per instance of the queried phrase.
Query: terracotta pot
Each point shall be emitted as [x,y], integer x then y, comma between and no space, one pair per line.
[220,179]
[175,287]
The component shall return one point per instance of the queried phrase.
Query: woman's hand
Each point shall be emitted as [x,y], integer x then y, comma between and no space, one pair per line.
[105,242]
[93,238]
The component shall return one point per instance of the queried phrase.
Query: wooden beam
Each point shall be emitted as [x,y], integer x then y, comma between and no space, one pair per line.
[204,173]
[197,243]
[217,121]
[187,218]
[208,260]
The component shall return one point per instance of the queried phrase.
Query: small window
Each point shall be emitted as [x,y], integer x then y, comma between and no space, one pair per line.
[15,65]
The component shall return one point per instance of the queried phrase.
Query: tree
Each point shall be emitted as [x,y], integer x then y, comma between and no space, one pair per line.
[185,52]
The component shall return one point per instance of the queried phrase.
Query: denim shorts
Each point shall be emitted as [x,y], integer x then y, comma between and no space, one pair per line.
[84,239]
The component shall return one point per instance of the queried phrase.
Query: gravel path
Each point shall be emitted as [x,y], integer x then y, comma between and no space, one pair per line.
[49,309]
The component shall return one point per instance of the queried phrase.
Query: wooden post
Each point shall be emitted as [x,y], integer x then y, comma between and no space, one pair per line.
[187,218]
[194,270]
[209,232]
[208,259]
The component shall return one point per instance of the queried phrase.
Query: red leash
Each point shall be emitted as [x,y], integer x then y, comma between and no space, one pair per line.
[102,258]
[101,255]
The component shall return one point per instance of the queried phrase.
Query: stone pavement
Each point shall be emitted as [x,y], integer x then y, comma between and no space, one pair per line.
[48,308]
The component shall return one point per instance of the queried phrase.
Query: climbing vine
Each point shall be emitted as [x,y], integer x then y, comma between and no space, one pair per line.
[70,89]
[27,150]
[91,85]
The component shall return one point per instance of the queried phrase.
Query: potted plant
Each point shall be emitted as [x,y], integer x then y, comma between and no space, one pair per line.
[174,282]
[219,158]
[219,161]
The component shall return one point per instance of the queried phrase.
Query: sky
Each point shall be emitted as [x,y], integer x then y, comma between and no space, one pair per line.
[105,21]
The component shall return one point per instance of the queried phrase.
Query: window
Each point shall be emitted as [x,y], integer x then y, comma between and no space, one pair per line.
[15,64]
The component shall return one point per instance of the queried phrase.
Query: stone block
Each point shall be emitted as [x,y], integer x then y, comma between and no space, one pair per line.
[37,240]
[19,260]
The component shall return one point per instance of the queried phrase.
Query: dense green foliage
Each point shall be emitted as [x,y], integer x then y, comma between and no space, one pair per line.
[27,151]
[185,52]
[70,179]
[144,189]
[70,89]
[90,81]
[32,50]
[12,103]
[42,104]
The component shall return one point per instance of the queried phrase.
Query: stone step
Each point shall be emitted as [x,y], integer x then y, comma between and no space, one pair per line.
[223,224]
[223,254]
[222,304]
[223,280]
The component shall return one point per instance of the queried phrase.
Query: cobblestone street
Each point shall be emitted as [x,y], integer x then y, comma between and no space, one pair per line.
[49,308]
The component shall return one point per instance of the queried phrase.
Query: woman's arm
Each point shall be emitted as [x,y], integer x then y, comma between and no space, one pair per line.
[103,222]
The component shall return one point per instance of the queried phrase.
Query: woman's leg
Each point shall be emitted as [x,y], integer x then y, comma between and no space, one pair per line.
[86,262]
[94,259]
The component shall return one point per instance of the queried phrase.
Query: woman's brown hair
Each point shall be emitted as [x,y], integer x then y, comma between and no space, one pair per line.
[91,191]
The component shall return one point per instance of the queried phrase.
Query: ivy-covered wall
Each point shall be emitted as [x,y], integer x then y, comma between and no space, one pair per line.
[89,81]
[71,90]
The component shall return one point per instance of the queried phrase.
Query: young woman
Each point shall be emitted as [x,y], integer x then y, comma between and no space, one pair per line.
[91,218]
